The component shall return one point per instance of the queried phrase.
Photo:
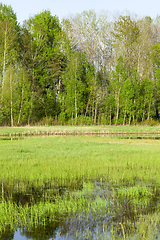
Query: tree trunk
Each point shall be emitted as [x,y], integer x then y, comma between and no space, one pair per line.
[130,119]
[11,97]
[143,113]
[4,58]
[157,113]
[124,117]
[75,91]
[21,100]
[31,98]
[72,118]
[76,105]
[117,112]
[144,109]
[95,115]
[149,108]
[57,88]
[110,116]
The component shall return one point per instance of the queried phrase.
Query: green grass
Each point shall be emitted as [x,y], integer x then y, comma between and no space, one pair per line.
[81,157]
[58,175]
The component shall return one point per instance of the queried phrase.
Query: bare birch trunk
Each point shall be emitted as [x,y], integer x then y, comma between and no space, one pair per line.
[95,115]
[117,112]
[76,93]
[31,99]
[110,116]
[124,117]
[130,119]
[57,88]
[149,108]
[10,79]
[20,112]
[4,57]
[76,105]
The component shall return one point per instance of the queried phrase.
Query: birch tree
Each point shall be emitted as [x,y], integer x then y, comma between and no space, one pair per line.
[74,86]
[126,34]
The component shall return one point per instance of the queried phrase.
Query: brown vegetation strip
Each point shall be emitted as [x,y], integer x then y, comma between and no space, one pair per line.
[76,133]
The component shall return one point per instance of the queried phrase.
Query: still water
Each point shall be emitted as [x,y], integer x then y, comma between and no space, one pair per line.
[18,235]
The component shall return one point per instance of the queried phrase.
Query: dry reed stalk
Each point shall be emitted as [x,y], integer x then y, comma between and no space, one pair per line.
[122,230]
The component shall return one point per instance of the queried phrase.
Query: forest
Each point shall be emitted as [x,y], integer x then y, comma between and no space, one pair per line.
[87,69]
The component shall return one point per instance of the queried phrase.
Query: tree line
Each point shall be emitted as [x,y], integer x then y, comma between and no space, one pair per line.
[87,69]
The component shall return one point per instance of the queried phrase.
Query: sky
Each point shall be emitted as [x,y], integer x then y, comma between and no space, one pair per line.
[64,8]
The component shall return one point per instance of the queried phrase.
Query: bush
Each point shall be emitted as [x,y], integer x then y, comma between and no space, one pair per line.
[62,118]
[2,119]
[84,120]
[150,122]
[103,120]
[81,120]
[46,121]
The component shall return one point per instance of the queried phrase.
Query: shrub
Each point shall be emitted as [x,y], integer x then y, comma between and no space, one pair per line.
[62,118]
[103,120]
[150,122]
[84,120]
[46,121]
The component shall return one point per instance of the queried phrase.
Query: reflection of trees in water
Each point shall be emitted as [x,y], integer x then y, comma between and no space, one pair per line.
[37,233]
[108,208]
[42,232]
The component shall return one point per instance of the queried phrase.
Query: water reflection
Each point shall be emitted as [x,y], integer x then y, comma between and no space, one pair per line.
[115,210]
[19,236]
[155,136]
[119,136]
[42,234]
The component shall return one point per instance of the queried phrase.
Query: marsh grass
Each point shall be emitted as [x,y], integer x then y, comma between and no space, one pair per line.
[88,185]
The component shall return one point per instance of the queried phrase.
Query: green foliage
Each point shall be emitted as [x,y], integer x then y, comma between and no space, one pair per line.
[85,120]
[46,121]
[74,84]
[62,118]
[2,117]
[88,66]
[156,55]
[150,122]
[103,120]
[6,12]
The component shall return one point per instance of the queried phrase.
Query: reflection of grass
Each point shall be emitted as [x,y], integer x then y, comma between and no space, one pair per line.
[66,176]
[73,129]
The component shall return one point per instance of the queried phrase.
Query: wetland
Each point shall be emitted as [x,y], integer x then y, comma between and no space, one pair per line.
[91,186]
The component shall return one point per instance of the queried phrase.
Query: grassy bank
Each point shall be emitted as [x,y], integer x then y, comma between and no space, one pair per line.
[79,178]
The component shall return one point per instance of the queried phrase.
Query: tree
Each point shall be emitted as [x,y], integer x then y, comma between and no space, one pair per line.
[126,34]
[74,86]
[156,65]
[105,46]
[8,95]
[9,32]
[84,32]
[44,62]
[127,101]
[118,78]
[144,48]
